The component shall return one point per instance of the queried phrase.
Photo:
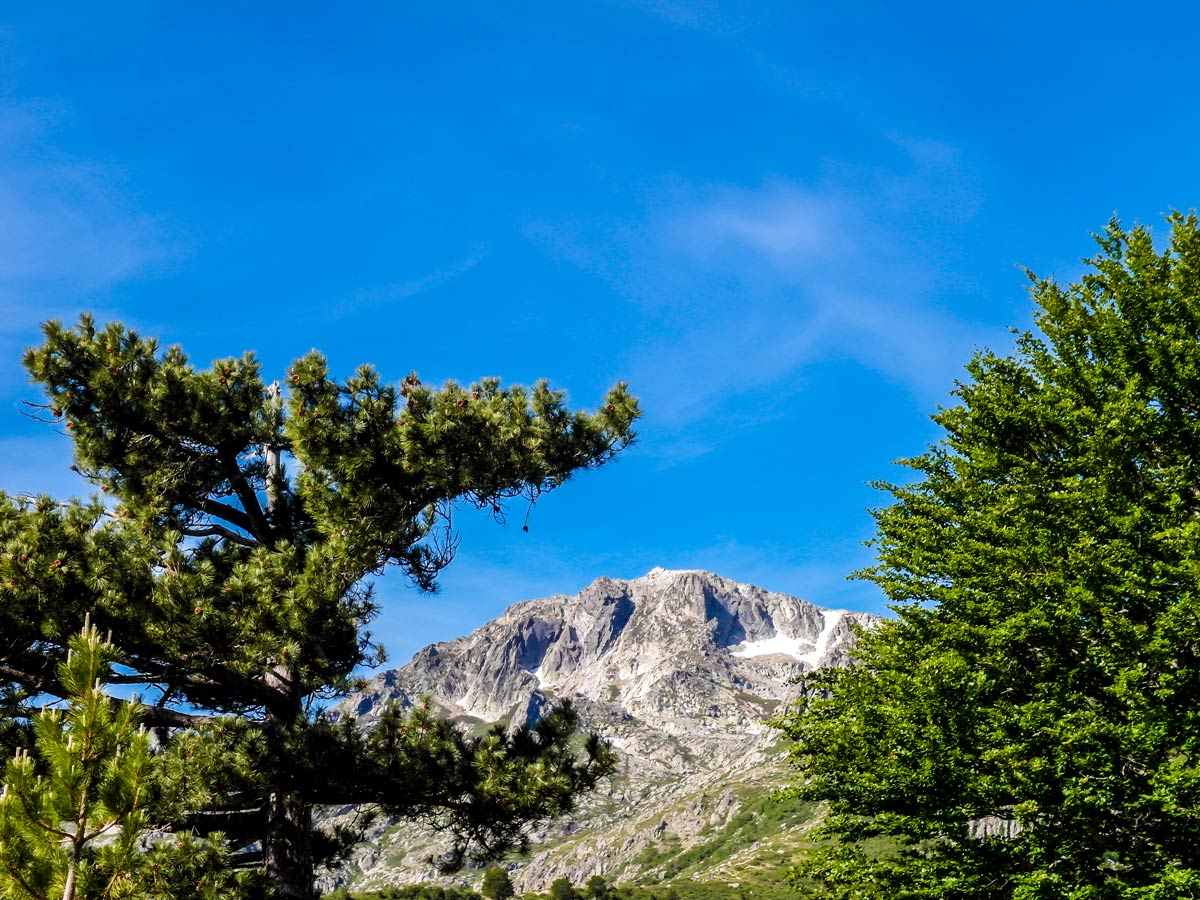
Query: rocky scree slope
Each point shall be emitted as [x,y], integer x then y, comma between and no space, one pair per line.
[677,669]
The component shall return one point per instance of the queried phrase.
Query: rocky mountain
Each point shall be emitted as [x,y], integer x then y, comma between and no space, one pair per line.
[678,670]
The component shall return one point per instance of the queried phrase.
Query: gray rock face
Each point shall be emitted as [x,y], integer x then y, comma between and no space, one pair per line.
[677,669]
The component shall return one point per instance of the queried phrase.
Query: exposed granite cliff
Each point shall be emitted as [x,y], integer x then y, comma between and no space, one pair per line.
[678,669]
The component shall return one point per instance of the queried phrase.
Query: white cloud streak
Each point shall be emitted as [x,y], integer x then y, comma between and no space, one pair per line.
[685,13]
[40,465]
[789,228]
[68,232]
[749,286]
[402,290]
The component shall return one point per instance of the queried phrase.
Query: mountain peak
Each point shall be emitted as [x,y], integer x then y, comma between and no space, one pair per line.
[624,640]
[660,572]
[676,669]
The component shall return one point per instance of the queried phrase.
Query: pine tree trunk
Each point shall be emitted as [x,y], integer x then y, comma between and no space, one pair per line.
[77,843]
[288,847]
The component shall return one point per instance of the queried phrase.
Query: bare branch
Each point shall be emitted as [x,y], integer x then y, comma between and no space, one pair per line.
[215,530]
[156,716]
[37,683]
[230,514]
[257,521]
[224,684]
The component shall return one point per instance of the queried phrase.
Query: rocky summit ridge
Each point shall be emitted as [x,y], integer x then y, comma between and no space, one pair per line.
[677,669]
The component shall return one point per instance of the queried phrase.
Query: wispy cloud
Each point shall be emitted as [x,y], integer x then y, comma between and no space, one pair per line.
[687,13]
[68,230]
[402,290]
[708,17]
[40,465]
[750,285]
[61,225]
[791,228]
[475,589]
[69,234]
[778,567]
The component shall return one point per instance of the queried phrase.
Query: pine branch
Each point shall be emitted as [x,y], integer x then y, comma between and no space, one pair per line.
[19,878]
[101,830]
[218,685]
[144,678]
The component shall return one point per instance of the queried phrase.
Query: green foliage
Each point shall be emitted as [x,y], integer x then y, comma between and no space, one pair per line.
[74,815]
[1027,726]
[562,889]
[496,884]
[681,889]
[596,888]
[409,892]
[761,816]
[239,590]
[481,789]
[659,852]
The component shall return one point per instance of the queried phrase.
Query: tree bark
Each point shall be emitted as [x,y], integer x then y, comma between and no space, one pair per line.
[287,844]
[287,854]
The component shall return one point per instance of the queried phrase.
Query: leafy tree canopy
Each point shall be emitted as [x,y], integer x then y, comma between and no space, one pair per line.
[597,888]
[1027,726]
[497,885]
[231,554]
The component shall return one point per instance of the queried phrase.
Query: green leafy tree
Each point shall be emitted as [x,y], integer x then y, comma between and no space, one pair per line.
[74,814]
[497,885]
[597,888]
[1027,725]
[561,889]
[232,560]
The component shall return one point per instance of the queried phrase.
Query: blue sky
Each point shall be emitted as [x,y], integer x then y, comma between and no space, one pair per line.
[787,225]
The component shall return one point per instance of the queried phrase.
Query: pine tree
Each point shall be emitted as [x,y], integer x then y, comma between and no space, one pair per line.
[232,560]
[1027,725]
[74,813]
